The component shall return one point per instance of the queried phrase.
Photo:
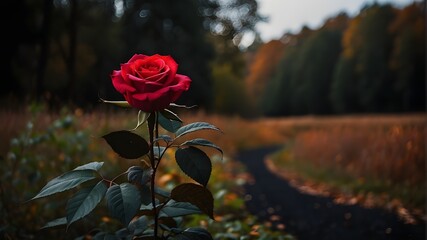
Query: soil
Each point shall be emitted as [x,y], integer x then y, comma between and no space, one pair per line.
[307,217]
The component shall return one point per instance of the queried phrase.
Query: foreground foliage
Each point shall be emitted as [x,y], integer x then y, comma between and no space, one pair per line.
[51,143]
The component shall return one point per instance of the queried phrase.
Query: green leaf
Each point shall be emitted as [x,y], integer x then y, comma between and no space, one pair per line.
[142,117]
[139,225]
[182,106]
[117,103]
[84,201]
[192,127]
[196,195]
[170,115]
[169,121]
[166,138]
[90,166]
[195,163]
[65,182]
[123,202]
[123,233]
[201,142]
[127,144]
[195,233]
[55,223]
[177,209]
[139,175]
[158,151]
[162,192]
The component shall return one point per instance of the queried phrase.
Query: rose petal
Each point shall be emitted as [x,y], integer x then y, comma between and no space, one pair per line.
[173,67]
[119,84]
[144,86]
[160,76]
[136,57]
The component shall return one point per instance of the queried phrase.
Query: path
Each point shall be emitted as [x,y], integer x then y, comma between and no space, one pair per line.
[311,217]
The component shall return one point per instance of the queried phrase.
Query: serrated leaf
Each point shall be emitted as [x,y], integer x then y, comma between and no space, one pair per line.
[84,201]
[196,126]
[56,223]
[195,163]
[177,209]
[90,166]
[196,195]
[65,182]
[201,142]
[127,144]
[123,202]
[171,125]
[196,233]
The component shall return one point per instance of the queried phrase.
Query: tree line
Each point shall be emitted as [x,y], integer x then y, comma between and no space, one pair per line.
[63,51]
[372,62]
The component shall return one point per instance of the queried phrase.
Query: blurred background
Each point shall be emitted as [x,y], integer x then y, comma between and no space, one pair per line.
[342,93]
[62,53]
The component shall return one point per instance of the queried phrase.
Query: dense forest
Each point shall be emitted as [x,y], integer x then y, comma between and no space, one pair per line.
[62,52]
[373,62]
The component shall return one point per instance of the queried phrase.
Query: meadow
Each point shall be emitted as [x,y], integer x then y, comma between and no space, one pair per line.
[375,160]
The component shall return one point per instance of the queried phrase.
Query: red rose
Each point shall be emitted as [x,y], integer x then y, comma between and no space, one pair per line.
[150,83]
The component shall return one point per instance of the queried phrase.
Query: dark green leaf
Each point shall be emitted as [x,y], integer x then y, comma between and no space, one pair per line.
[158,151]
[195,163]
[196,195]
[139,225]
[124,233]
[177,209]
[139,175]
[145,194]
[192,127]
[168,114]
[169,122]
[65,182]
[123,202]
[55,223]
[165,138]
[162,192]
[127,144]
[167,223]
[201,142]
[84,201]
[90,166]
[193,234]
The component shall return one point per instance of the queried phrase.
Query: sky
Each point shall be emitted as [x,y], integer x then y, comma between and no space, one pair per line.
[291,15]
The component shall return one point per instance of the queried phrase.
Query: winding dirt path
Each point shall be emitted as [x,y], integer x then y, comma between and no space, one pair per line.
[310,217]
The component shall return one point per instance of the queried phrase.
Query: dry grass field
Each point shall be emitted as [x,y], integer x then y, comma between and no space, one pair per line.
[375,160]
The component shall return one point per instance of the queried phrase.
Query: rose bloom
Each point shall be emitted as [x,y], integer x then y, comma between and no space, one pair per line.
[150,83]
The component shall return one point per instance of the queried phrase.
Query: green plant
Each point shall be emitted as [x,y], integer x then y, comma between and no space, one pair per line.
[144,210]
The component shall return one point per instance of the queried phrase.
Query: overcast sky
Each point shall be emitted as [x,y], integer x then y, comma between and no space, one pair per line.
[291,15]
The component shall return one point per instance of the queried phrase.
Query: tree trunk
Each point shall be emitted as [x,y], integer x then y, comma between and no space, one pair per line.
[44,48]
